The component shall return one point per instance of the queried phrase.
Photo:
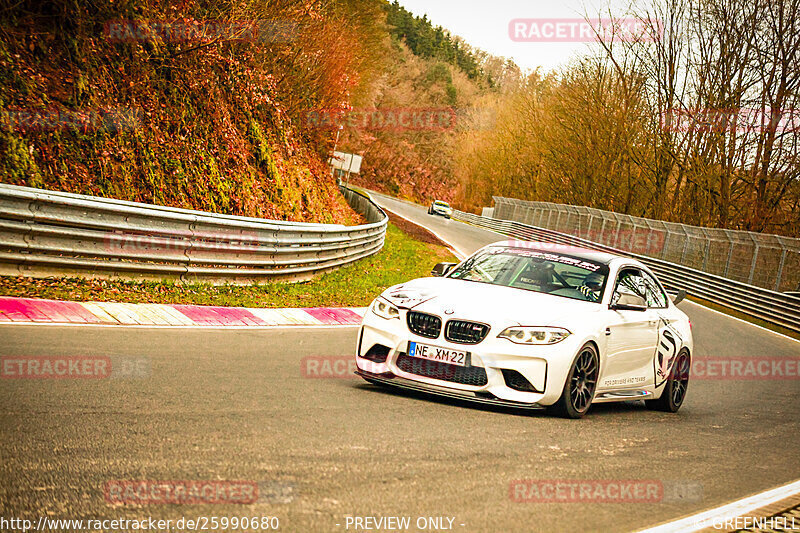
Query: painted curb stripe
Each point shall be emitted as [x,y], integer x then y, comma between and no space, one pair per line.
[31,310]
[98,311]
[333,316]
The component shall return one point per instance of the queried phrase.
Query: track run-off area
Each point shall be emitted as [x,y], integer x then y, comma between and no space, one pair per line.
[206,403]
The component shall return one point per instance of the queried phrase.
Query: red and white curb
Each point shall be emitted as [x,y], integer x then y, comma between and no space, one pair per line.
[30,310]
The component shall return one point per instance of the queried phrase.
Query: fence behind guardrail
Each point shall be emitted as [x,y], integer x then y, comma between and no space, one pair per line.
[54,233]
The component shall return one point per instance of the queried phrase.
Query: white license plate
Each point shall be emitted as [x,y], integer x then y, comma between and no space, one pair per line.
[435,353]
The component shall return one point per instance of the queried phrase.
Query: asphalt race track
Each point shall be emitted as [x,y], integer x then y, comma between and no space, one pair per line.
[238,404]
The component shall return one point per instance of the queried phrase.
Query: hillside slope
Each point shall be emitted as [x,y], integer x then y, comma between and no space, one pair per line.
[200,120]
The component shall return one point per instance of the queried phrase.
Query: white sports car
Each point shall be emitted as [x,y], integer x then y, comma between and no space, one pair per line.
[529,325]
[440,208]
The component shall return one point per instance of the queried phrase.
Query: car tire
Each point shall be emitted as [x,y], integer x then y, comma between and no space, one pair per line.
[676,386]
[578,393]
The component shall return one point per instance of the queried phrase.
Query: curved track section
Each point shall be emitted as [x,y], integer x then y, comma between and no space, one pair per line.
[261,405]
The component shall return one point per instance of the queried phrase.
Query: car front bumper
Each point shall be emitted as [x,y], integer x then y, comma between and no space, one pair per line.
[544,367]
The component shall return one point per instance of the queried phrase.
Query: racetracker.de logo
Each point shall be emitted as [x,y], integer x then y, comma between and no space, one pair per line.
[395,119]
[576,30]
[107,119]
[745,368]
[55,367]
[182,492]
[202,31]
[738,119]
[328,366]
[194,243]
[604,491]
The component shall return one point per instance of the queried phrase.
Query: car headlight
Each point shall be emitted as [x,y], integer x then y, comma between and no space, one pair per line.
[384,309]
[534,335]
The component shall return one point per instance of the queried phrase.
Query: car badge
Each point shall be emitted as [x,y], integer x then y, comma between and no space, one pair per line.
[449,311]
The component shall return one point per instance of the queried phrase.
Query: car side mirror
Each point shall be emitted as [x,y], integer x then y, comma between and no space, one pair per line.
[441,269]
[678,298]
[629,302]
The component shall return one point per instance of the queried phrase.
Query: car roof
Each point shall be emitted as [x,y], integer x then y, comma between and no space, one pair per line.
[574,251]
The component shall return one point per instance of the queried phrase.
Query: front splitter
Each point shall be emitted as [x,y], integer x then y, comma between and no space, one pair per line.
[402,383]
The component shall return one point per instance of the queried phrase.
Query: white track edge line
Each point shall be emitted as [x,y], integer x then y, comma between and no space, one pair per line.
[706,519]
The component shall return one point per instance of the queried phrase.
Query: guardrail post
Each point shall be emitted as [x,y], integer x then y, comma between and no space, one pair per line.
[685,246]
[730,255]
[706,252]
[753,262]
[779,275]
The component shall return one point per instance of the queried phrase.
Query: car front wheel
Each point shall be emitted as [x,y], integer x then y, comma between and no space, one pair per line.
[675,387]
[576,398]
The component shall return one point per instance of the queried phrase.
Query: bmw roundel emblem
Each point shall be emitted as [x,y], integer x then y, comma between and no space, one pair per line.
[449,311]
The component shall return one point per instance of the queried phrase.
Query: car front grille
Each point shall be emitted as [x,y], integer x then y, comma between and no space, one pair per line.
[465,375]
[423,324]
[464,332]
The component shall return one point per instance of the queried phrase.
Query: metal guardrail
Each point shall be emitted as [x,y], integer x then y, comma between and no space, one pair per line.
[55,233]
[771,306]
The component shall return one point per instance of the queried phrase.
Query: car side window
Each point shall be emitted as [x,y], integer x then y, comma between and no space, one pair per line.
[629,281]
[655,296]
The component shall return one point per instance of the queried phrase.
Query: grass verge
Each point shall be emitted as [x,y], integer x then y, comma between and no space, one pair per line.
[402,258]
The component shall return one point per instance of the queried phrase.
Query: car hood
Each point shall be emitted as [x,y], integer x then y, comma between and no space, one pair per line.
[483,302]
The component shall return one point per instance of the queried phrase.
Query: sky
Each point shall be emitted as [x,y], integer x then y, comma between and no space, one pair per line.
[485,24]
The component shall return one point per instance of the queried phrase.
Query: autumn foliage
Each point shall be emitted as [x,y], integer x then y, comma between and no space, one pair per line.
[213,118]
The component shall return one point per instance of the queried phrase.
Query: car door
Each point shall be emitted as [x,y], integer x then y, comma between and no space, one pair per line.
[669,340]
[631,337]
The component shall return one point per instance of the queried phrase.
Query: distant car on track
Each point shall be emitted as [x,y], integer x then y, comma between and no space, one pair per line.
[440,208]
[527,325]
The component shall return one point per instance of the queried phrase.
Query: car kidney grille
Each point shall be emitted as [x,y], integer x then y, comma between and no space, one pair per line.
[466,375]
[465,332]
[423,324]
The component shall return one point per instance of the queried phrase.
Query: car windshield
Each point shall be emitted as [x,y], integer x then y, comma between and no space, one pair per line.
[536,270]
[442,204]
